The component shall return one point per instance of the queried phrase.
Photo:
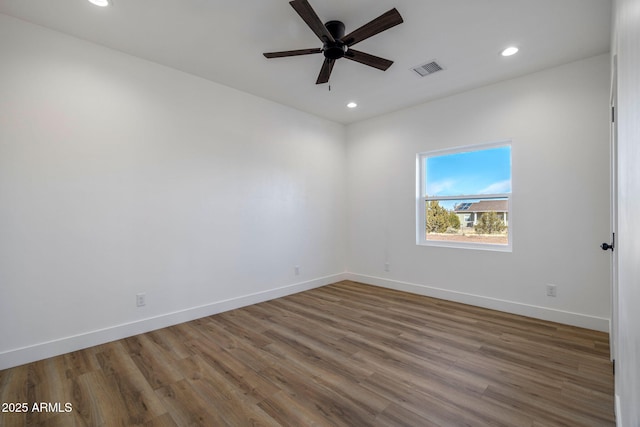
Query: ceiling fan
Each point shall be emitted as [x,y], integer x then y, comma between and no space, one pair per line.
[335,44]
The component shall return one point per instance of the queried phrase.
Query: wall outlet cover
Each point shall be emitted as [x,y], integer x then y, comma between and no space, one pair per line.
[141,299]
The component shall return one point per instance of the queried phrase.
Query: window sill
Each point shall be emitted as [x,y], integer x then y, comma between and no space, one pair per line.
[474,246]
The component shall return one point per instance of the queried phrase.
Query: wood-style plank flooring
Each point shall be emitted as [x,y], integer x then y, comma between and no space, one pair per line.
[345,355]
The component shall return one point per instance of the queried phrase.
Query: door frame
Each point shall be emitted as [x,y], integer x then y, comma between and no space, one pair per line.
[613,328]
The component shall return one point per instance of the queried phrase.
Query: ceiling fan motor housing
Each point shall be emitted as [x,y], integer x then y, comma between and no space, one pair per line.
[337,48]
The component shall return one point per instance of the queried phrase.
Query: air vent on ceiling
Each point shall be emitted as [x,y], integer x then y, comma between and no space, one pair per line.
[428,68]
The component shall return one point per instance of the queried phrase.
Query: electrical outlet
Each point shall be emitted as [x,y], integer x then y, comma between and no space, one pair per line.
[296,270]
[551,291]
[387,267]
[141,299]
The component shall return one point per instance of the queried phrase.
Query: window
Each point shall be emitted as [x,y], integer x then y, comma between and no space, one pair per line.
[464,197]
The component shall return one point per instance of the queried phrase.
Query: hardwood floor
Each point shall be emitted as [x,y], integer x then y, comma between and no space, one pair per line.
[346,355]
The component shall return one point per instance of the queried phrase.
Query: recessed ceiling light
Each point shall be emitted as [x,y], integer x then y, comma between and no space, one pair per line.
[511,50]
[101,3]
[352,105]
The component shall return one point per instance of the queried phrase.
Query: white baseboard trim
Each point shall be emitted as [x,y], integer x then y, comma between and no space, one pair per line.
[32,353]
[543,313]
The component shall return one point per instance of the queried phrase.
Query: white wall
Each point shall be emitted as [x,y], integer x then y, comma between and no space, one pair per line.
[558,123]
[626,45]
[120,176]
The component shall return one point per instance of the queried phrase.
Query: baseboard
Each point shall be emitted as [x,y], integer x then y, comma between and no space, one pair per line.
[32,353]
[543,313]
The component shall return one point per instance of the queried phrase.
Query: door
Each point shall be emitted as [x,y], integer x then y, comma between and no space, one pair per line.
[614,212]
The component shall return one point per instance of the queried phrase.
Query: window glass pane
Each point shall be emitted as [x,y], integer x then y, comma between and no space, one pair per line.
[472,172]
[468,221]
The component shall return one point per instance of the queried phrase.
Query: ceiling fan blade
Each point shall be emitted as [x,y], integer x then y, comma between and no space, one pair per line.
[367,59]
[325,71]
[383,22]
[309,16]
[292,53]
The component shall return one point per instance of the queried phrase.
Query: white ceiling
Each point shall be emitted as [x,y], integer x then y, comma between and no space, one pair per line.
[223,41]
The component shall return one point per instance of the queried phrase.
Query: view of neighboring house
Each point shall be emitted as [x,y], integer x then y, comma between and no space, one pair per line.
[469,213]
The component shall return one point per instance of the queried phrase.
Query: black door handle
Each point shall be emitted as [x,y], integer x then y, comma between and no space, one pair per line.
[606,246]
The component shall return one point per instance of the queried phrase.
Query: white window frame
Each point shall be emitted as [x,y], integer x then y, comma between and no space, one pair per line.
[422,199]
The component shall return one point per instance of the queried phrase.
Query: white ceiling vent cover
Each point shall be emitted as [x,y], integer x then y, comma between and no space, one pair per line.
[428,68]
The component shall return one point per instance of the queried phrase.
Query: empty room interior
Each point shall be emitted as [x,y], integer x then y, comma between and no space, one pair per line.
[319,212]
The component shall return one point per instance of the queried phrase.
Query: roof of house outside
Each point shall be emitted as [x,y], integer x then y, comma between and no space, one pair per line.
[483,206]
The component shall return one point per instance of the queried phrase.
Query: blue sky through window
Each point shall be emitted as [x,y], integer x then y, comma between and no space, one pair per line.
[472,172]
